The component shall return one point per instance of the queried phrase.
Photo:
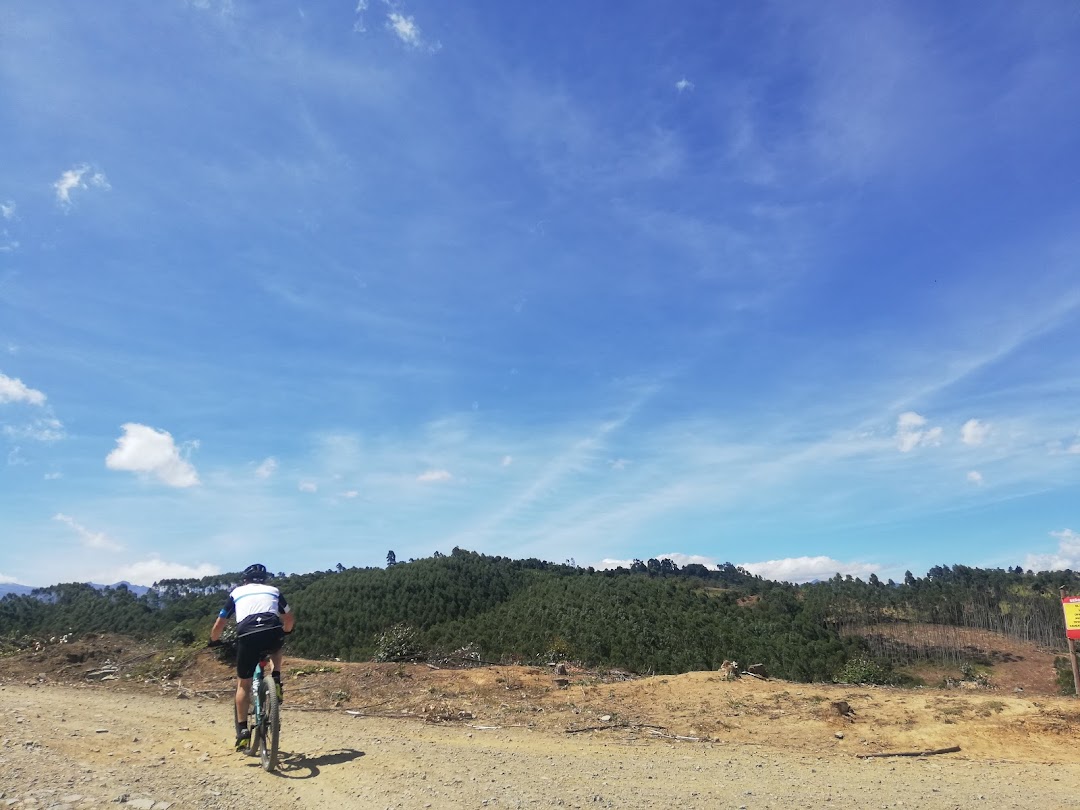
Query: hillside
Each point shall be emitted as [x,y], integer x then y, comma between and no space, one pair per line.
[653,618]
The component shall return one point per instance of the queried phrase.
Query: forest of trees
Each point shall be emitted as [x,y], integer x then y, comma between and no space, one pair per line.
[651,618]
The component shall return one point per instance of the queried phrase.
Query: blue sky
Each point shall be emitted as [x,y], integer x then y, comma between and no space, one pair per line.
[795,286]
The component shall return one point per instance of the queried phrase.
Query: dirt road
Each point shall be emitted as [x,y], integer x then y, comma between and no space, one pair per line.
[68,747]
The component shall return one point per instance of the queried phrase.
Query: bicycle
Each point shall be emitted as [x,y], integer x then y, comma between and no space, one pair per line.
[264,716]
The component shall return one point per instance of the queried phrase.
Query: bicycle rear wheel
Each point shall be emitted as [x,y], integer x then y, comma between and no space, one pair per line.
[269,725]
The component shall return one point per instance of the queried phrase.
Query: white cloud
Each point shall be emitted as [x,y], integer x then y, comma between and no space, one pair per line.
[434,475]
[507,461]
[975,477]
[46,429]
[142,449]
[15,457]
[1067,555]
[7,209]
[267,468]
[792,569]
[78,178]
[405,27]
[361,7]
[910,433]
[618,463]
[4,579]
[974,432]
[1074,448]
[805,569]
[225,7]
[147,572]
[680,560]
[350,494]
[308,486]
[53,476]
[14,390]
[91,539]
[684,84]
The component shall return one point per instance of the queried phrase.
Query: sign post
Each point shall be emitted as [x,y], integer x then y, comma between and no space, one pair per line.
[1071,606]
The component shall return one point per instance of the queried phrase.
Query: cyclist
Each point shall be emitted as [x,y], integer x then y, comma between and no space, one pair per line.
[263,617]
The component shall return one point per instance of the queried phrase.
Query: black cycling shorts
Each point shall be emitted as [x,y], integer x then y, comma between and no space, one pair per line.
[252,647]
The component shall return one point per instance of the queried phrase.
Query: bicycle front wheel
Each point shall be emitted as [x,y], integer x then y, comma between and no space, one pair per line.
[269,726]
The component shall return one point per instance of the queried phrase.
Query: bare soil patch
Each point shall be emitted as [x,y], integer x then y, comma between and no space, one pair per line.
[88,723]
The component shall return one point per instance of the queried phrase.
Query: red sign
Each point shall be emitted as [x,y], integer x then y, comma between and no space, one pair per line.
[1071,605]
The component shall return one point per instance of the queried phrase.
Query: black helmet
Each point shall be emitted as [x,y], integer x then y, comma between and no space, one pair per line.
[255,573]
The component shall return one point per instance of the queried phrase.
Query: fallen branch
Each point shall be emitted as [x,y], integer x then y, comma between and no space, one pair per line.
[674,736]
[951,750]
[610,726]
[606,727]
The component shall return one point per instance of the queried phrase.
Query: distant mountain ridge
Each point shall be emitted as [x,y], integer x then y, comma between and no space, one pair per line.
[25,590]
[15,588]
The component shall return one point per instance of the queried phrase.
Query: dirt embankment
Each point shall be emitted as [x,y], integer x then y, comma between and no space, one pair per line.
[86,726]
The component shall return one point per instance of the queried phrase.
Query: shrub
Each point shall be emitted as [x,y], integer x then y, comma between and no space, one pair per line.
[182,635]
[400,642]
[864,670]
[1063,671]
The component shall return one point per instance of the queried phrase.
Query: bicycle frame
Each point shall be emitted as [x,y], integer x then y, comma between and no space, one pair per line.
[266,725]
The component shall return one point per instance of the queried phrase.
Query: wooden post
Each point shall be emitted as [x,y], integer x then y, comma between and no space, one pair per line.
[1072,655]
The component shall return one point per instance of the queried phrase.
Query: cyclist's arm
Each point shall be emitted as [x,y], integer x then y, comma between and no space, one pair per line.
[218,628]
[288,620]
[222,619]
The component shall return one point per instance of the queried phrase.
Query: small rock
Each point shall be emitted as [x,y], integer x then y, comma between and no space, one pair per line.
[839,735]
[101,731]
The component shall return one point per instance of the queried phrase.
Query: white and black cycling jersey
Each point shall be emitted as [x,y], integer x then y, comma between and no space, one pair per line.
[257,607]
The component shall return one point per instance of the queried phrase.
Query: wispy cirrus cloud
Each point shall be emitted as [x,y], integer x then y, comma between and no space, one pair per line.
[7,209]
[78,178]
[148,451]
[266,468]
[98,541]
[44,429]
[359,25]
[431,476]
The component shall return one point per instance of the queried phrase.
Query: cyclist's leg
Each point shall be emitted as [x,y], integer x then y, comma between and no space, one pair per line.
[276,656]
[247,658]
[243,700]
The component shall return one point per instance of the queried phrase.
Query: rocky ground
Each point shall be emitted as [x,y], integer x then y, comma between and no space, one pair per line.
[107,723]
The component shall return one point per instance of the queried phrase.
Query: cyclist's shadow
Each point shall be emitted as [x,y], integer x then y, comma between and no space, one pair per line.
[301,766]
